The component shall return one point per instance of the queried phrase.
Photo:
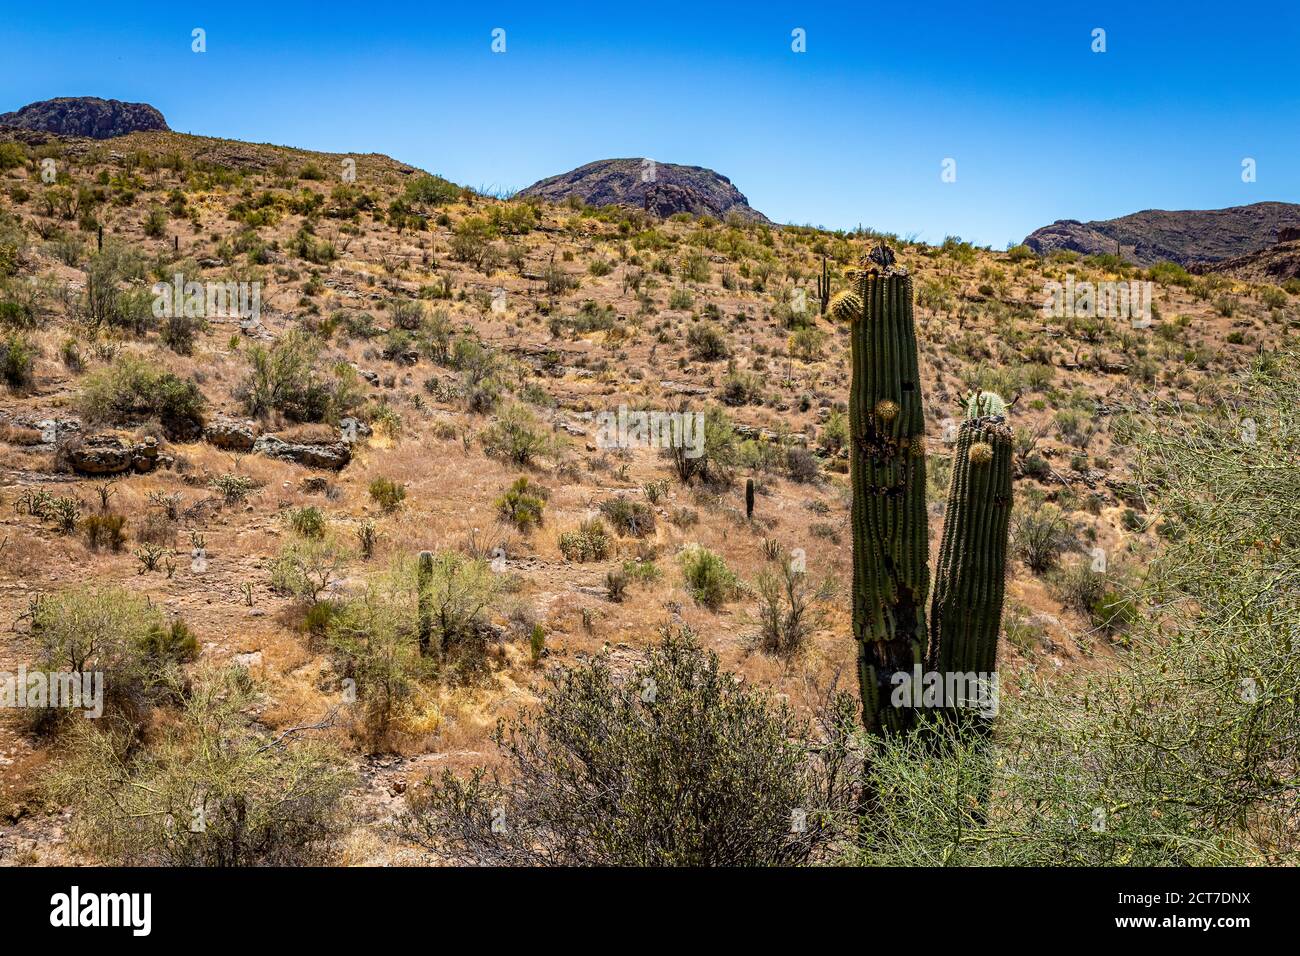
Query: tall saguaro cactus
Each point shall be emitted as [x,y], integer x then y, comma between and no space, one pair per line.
[891,575]
[424,600]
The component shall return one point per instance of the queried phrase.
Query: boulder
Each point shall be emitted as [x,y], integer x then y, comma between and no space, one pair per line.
[333,455]
[230,434]
[110,455]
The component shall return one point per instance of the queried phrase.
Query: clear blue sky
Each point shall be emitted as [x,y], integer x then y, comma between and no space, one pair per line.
[852,131]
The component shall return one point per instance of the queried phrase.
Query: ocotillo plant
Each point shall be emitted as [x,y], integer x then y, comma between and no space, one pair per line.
[423,578]
[891,578]
[749,497]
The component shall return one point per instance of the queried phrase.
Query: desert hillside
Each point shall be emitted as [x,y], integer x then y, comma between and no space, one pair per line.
[426,370]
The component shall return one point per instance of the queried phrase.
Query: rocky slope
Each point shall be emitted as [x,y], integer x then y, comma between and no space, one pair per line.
[1182,236]
[661,188]
[87,116]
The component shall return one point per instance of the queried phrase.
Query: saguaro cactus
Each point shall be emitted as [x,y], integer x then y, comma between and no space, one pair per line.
[891,579]
[749,497]
[824,287]
[970,575]
[424,578]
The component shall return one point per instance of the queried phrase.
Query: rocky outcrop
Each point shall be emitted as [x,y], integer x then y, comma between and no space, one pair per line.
[87,116]
[332,455]
[230,434]
[1182,236]
[108,454]
[1275,264]
[662,189]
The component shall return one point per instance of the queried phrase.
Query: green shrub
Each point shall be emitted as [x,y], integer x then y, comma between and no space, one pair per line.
[105,531]
[707,342]
[388,494]
[17,360]
[708,579]
[590,542]
[216,789]
[592,776]
[134,389]
[628,516]
[522,504]
[516,436]
[308,522]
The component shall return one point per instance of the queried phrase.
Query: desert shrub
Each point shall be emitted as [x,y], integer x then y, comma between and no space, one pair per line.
[115,296]
[109,631]
[711,457]
[516,436]
[104,531]
[308,522]
[218,788]
[284,378]
[374,642]
[807,345]
[707,342]
[593,775]
[708,579]
[629,517]
[388,494]
[1040,533]
[616,582]
[802,465]
[590,542]
[134,389]
[306,567]
[17,360]
[790,609]
[458,593]
[522,504]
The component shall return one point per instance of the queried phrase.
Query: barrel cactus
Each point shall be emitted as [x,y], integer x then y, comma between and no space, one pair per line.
[891,575]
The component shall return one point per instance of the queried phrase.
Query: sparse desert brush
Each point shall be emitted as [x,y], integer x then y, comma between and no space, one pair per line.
[134,389]
[104,530]
[522,504]
[109,631]
[17,360]
[517,436]
[628,516]
[790,608]
[708,579]
[591,729]
[244,795]
[306,567]
[590,542]
[387,494]
[706,340]
[1040,534]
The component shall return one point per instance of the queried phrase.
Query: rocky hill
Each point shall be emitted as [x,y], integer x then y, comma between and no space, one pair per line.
[1182,236]
[87,116]
[660,188]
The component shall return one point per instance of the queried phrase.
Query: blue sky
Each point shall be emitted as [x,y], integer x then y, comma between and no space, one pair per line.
[854,130]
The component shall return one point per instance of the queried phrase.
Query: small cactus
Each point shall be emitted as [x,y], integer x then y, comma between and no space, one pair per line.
[424,578]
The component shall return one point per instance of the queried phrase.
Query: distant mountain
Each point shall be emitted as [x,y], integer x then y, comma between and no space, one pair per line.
[1186,236]
[660,188]
[87,116]
[1275,264]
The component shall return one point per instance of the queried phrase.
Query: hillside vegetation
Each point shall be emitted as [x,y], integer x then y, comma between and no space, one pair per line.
[225,514]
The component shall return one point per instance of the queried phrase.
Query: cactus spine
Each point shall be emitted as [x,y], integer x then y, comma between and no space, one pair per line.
[891,577]
[424,578]
[749,497]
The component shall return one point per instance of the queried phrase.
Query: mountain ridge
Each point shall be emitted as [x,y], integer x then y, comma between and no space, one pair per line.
[1183,236]
[663,189]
